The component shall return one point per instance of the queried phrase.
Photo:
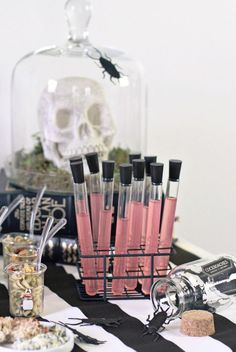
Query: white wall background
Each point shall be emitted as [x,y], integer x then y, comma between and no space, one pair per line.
[188,49]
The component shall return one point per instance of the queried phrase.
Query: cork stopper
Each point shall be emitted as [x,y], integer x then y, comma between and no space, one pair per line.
[197,323]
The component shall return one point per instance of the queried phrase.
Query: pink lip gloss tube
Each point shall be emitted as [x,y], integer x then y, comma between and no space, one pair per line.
[147,190]
[136,222]
[105,219]
[83,225]
[95,191]
[122,226]
[168,219]
[153,223]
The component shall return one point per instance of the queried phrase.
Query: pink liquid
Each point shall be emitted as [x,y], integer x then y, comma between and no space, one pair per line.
[95,201]
[134,241]
[144,232]
[145,219]
[153,227]
[166,234]
[86,247]
[120,248]
[104,238]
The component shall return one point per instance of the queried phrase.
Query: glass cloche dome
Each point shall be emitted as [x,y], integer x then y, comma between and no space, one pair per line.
[72,100]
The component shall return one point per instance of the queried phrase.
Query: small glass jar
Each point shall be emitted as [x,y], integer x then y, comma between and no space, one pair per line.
[208,284]
[10,240]
[21,254]
[26,289]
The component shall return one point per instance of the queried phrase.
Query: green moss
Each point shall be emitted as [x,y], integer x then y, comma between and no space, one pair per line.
[120,156]
[33,170]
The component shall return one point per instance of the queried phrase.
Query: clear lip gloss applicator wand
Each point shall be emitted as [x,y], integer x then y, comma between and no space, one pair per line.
[95,191]
[83,225]
[168,219]
[122,227]
[105,219]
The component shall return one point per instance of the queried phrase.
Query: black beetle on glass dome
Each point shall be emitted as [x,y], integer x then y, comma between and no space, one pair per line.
[107,65]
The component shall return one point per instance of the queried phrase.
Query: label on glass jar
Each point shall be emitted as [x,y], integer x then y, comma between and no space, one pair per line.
[217,266]
[27,303]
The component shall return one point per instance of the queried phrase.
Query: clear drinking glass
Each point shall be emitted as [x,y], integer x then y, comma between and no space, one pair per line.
[11,239]
[21,253]
[26,289]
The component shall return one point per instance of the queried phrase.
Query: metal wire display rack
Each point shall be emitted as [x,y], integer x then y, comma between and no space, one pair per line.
[107,273]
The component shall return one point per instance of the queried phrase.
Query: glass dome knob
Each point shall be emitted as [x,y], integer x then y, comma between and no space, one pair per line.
[78,14]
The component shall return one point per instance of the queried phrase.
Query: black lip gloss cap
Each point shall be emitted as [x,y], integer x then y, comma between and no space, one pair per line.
[156,173]
[77,169]
[125,174]
[76,159]
[174,169]
[148,161]
[108,169]
[138,169]
[133,156]
[93,163]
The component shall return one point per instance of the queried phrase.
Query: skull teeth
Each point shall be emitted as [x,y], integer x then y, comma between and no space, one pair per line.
[68,153]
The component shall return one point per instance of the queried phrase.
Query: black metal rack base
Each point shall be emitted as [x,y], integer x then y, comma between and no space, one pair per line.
[106,275]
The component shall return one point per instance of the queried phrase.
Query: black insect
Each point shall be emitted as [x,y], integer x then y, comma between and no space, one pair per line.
[108,322]
[155,325]
[107,66]
[82,337]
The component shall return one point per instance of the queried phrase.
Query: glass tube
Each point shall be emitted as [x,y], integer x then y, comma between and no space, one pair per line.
[122,227]
[152,236]
[167,226]
[135,232]
[95,201]
[85,236]
[104,232]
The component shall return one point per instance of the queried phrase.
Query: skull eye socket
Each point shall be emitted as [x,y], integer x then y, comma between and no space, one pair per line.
[94,114]
[63,117]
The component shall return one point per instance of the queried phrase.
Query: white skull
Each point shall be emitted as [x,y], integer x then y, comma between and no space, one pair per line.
[74,119]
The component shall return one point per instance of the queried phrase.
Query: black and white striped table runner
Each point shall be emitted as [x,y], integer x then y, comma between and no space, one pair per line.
[62,302]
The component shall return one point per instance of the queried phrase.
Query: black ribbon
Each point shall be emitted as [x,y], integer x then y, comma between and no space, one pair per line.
[130,332]
[225,331]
